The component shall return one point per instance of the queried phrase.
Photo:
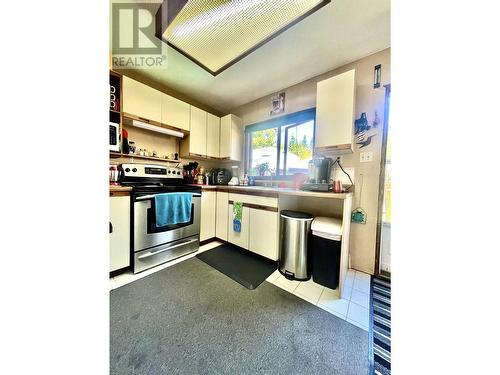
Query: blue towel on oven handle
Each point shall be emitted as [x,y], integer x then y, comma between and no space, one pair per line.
[173,208]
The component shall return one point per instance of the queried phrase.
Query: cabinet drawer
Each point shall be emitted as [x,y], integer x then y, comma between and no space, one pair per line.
[254,199]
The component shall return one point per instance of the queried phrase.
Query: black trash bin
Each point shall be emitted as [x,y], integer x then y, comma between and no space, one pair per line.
[326,239]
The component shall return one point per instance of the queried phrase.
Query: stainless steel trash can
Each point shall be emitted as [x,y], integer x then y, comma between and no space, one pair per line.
[294,261]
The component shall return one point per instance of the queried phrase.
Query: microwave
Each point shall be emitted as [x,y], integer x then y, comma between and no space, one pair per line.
[114,137]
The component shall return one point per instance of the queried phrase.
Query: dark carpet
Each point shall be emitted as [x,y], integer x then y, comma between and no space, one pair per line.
[380,326]
[239,264]
[191,319]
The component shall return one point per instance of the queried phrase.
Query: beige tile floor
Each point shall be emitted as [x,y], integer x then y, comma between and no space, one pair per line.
[352,306]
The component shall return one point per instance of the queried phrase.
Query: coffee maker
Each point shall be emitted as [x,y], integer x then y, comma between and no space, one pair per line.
[319,174]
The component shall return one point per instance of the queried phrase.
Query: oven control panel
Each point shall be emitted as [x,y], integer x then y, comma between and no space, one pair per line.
[151,170]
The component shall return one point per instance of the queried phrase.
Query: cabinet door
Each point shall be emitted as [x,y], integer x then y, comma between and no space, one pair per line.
[141,100]
[213,135]
[264,233]
[221,215]
[225,137]
[198,132]
[208,206]
[175,112]
[335,112]
[236,139]
[239,238]
[119,238]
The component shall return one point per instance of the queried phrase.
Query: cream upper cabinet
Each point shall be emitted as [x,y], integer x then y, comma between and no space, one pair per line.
[239,238]
[119,238]
[221,215]
[264,233]
[208,207]
[231,138]
[175,112]
[335,113]
[141,100]
[196,143]
[213,135]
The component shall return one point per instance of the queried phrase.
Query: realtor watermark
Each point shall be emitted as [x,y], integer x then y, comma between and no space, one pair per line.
[133,41]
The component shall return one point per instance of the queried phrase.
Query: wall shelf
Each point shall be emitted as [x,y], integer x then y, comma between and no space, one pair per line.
[115,155]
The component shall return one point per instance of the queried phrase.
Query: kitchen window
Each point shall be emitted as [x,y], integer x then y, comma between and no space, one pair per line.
[281,146]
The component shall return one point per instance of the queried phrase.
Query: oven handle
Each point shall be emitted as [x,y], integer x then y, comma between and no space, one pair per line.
[145,197]
[150,254]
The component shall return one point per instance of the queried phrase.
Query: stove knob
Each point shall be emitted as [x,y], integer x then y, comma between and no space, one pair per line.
[134,170]
[127,169]
[169,171]
[178,172]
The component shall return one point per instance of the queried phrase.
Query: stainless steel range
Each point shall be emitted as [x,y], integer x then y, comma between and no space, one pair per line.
[152,245]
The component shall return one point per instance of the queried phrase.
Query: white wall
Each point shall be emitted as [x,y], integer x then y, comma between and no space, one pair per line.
[369,100]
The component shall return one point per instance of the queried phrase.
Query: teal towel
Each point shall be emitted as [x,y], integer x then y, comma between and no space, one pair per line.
[173,208]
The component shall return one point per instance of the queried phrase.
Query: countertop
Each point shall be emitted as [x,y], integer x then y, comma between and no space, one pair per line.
[257,190]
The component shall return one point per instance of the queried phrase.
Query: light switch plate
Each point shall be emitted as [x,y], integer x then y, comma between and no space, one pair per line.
[365,157]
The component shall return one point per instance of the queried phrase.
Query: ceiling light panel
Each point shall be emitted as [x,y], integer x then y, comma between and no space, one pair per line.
[218,33]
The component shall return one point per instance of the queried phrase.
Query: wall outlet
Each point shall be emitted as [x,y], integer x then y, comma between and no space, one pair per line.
[365,157]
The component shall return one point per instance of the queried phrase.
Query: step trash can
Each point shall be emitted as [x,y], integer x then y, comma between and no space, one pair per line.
[294,260]
[325,244]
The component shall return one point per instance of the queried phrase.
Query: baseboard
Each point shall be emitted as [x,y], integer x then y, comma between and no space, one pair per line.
[119,271]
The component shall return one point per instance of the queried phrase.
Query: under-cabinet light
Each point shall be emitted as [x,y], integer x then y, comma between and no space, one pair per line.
[154,128]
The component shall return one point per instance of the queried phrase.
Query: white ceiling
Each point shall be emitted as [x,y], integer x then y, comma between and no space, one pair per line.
[341,32]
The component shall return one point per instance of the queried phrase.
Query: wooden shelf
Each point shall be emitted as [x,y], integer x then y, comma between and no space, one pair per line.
[115,155]
[112,110]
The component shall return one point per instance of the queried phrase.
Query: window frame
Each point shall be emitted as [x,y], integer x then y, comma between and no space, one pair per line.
[288,121]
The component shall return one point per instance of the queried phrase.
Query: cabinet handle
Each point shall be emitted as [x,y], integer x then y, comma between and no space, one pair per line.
[110,227]
[143,119]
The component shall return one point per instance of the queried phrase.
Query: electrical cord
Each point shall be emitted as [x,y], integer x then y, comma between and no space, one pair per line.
[337,161]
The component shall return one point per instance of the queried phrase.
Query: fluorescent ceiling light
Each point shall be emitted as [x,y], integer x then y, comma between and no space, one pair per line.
[155,128]
[216,34]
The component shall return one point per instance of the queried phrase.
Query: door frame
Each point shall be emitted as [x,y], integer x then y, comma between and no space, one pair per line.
[382,178]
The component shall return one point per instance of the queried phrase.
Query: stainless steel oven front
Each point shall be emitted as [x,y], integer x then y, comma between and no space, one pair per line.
[156,245]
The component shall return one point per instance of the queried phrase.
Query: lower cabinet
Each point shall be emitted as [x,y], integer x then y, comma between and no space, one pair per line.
[221,215]
[208,208]
[119,236]
[264,233]
[239,238]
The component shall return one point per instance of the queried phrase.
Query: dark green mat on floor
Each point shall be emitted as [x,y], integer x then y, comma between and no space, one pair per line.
[239,264]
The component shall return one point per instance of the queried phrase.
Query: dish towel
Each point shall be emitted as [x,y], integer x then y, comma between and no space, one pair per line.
[237,215]
[173,208]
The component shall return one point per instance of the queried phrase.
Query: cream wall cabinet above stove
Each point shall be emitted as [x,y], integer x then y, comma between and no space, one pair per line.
[213,136]
[175,112]
[141,100]
[335,113]
[195,144]
[231,138]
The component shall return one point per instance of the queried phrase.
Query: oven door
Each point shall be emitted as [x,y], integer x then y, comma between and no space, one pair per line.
[147,235]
